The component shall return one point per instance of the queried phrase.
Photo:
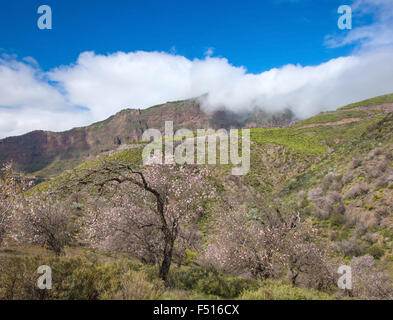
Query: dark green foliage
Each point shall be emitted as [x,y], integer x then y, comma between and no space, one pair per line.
[209,281]
[274,290]
[376,251]
[73,278]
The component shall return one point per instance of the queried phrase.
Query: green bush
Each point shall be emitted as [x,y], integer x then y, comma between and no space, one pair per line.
[276,290]
[80,278]
[209,281]
[376,251]
[337,220]
[18,280]
[137,286]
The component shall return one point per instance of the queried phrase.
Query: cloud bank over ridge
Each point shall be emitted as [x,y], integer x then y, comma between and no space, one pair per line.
[97,86]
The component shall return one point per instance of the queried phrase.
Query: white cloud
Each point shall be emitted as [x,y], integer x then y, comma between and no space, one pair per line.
[22,84]
[18,121]
[141,79]
[377,34]
[104,84]
[308,90]
[28,102]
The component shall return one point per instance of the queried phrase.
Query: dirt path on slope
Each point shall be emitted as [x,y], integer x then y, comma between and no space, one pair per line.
[335,123]
[387,107]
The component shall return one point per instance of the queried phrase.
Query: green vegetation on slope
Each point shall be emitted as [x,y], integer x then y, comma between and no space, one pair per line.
[295,141]
[326,117]
[387,98]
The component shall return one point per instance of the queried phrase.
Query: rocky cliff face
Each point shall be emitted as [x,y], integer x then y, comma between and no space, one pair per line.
[36,149]
[43,150]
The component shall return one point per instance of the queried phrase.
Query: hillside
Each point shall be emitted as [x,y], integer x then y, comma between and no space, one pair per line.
[336,167]
[349,152]
[285,161]
[334,170]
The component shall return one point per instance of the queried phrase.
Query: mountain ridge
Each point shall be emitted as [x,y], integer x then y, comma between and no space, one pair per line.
[54,151]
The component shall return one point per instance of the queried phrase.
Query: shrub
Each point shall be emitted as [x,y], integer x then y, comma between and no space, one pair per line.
[18,279]
[276,290]
[73,278]
[366,221]
[356,191]
[302,201]
[337,220]
[322,210]
[350,247]
[372,237]
[377,170]
[332,181]
[314,194]
[368,281]
[137,286]
[389,155]
[376,251]
[356,163]
[335,200]
[334,197]
[375,152]
[209,281]
[330,205]
[327,181]
[384,181]
[348,177]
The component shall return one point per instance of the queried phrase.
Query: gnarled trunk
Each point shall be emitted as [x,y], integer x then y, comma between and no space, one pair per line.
[167,260]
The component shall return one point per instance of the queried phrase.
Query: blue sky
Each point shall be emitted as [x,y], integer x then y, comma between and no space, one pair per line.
[253,33]
[104,56]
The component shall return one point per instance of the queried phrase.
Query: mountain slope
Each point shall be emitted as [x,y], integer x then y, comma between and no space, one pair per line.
[337,174]
[45,153]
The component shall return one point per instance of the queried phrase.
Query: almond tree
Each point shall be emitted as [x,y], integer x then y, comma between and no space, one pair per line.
[145,209]
[304,255]
[263,245]
[43,221]
[244,243]
[368,281]
[11,186]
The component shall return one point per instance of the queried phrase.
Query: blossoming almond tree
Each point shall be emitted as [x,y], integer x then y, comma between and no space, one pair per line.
[263,245]
[368,281]
[11,186]
[244,244]
[43,221]
[142,211]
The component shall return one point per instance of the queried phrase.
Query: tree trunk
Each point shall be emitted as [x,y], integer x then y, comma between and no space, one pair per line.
[167,260]
[2,234]
[294,277]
